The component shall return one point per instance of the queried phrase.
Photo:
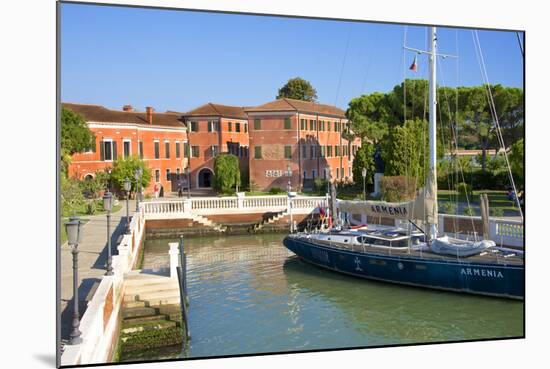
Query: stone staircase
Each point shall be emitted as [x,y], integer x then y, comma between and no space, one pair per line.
[207,222]
[273,219]
[151,312]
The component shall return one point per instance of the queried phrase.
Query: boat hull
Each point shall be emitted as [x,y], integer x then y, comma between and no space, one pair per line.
[452,275]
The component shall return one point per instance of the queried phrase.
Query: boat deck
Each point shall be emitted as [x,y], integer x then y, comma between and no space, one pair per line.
[487,257]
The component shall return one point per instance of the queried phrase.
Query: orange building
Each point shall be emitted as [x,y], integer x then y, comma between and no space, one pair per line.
[289,140]
[298,141]
[160,139]
[213,129]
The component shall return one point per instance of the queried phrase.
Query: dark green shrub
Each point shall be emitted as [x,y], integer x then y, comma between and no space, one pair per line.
[464,189]
[469,211]
[496,212]
[228,174]
[397,188]
[449,207]
[275,190]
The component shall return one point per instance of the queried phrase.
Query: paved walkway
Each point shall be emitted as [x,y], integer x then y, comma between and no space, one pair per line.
[92,260]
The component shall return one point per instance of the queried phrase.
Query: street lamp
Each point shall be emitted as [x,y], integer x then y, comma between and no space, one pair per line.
[364,174]
[74,237]
[290,195]
[109,183]
[188,181]
[138,174]
[108,206]
[127,186]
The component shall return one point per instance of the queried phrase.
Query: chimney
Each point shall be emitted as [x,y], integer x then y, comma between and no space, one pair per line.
[149,114]
[127,108]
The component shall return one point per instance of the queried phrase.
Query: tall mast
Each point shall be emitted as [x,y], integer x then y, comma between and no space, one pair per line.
[431,178]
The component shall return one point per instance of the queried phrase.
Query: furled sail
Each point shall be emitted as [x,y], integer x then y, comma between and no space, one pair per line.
[422,207]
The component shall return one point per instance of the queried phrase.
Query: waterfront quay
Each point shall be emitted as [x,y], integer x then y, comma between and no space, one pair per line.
[145,260]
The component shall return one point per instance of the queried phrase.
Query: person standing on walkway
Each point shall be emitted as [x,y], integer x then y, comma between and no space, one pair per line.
[156,190]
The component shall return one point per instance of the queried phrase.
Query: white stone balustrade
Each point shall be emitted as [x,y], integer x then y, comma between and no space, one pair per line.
[99,325]
[165,209]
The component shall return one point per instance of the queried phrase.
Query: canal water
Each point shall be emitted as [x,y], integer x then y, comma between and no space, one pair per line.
[248,294]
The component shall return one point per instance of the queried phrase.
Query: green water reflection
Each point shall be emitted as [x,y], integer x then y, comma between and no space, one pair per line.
[248,294]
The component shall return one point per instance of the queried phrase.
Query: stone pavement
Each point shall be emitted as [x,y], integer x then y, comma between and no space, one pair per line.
[92,260]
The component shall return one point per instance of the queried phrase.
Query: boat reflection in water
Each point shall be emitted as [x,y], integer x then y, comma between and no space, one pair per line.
[388,314]
[249,294]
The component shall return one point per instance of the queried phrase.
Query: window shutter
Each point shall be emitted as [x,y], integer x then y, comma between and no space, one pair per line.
[287,123]
[114,150]
[101,150]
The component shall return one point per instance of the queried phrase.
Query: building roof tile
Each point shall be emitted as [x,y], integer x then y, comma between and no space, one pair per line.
[286,104]
[98,113]
[217,110]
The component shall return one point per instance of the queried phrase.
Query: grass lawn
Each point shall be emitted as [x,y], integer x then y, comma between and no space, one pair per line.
[497,199]
[264,193]
[81,212]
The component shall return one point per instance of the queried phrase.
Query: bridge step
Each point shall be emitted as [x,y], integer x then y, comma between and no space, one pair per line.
[132,304]
[133,291]
[137,312]
[134,327]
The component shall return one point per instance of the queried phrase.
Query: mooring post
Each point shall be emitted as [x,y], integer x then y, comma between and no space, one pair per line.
[183,303]
[182,251]
[173,253]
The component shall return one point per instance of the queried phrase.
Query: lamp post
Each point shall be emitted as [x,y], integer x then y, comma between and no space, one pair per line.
[290,195]
[127,186]
[364,174]
[109,183]
[188,181]
[74,237]
[108,206]
[138,174]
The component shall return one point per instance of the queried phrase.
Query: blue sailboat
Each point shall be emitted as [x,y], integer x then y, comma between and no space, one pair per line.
[414,257]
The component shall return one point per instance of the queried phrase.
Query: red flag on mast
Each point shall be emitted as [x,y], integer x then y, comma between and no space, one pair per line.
[413,65]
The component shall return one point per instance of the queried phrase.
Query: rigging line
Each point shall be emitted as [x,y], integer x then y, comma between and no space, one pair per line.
[404,65]
[369,61]
[520,45]
[404,76]
[449,175]
[461,171]
[496,123]
[342,68]
[455,130]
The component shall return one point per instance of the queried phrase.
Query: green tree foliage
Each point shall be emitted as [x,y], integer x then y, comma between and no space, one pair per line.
[369,116]
[405,152]
[126,168]
[71,196]
[75,136]
[516,159]
[228,175]
[364,159]
[464,119]
[462,110]
[299,89]
[91,187]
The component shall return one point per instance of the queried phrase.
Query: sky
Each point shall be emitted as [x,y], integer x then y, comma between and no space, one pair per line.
[179,60]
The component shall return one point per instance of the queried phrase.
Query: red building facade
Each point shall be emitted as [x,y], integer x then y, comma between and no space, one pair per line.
[297,141]
[214,129]
[160,139]
[282,141]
